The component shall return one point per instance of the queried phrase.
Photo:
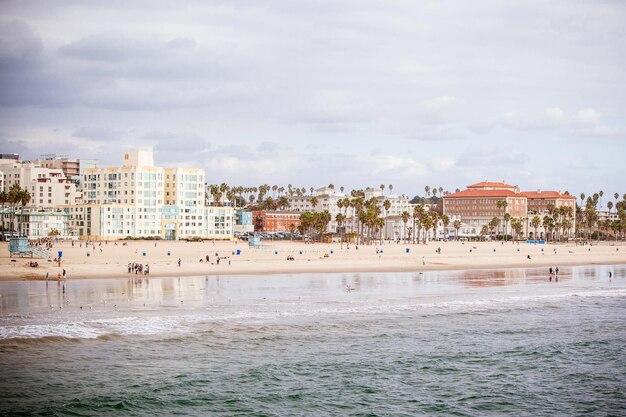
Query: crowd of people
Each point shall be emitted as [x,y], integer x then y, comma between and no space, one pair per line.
[138,268]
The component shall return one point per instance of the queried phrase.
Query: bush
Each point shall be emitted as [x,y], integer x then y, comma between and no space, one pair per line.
[143,238]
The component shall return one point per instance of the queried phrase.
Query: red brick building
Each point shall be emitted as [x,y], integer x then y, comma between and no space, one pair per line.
[538,201]
[478,204]
[275,221]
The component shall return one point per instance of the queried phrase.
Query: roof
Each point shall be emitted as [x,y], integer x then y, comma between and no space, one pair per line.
[546,194]
[490,184]
[483,193]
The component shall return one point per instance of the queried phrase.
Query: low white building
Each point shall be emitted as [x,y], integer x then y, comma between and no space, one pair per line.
[36,224]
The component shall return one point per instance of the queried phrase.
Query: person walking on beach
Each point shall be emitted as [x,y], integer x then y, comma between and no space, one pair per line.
[178,261]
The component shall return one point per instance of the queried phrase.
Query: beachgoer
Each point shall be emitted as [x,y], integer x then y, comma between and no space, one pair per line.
[178,261]
[423,261]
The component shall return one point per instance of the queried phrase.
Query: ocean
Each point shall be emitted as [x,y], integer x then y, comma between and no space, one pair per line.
[454,343]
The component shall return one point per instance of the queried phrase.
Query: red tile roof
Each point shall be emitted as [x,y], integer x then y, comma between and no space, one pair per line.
[546,194]
[490,184]
[483,193]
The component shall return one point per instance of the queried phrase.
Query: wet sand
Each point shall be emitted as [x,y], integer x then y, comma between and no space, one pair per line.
[111,260]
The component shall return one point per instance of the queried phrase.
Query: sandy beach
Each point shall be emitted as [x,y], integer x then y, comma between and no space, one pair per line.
[109,260]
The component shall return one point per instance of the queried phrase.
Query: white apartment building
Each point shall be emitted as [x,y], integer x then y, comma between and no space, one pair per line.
[35,223]
[141,200]
[101,221]
[137,183]
[48,188]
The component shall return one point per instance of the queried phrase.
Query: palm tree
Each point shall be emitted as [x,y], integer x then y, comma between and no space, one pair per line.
[427,222]
[435,216]
[418,212]
[548,226]
[390,188]
[600,193]
[445,219]
[24,197]
[493,224]
[405,218]
[340,218]
[13,197]
[457,226]
[283,202]
[223,189]
[502,204]
[4,198]
[517,226]
[506,218]
[314,200]
[387,206]
[427,189]
[483,231]
[536,222]
[382,187]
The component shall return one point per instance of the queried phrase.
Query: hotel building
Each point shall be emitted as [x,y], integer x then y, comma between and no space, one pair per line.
[478,204]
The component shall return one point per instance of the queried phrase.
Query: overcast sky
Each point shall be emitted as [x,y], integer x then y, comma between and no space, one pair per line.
[351,92]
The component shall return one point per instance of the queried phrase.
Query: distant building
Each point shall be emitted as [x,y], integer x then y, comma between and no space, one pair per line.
[48,187]
[35,223]
[69,166]
[328,199]
[243,221]
[478,205]
[275,221]
[9,157]
[140,199]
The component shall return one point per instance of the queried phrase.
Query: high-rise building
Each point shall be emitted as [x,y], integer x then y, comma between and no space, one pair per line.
[140,199]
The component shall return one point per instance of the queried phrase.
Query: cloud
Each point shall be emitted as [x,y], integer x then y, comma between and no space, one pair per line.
[587,117]
[313,86]
[443,103]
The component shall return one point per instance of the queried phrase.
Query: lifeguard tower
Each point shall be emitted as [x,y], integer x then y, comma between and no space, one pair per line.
[255,242]
[19,246]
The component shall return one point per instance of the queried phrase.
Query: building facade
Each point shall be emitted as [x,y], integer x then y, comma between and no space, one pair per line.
[140,199]
[477,205]
[35,224]
[48,187]
[275,221]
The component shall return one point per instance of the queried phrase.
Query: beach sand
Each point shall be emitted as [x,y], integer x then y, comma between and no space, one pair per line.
[111,260]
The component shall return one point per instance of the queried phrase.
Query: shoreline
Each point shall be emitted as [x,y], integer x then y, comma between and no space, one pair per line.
[314,270]
[111,260]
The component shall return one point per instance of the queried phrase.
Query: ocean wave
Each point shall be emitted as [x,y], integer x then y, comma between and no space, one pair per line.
[200,321]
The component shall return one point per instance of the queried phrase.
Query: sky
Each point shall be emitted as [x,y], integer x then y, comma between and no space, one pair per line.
[312,92]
